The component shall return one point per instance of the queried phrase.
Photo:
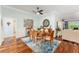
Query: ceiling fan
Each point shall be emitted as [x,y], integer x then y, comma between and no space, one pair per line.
[38,11]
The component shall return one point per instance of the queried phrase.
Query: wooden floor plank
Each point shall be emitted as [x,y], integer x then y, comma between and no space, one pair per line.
[67,47]
[8,46]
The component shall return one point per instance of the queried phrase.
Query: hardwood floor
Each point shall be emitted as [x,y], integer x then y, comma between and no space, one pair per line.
[67,47]
[22,47]
[18,46]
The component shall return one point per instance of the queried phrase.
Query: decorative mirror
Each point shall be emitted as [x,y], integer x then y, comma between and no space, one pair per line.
[46,23]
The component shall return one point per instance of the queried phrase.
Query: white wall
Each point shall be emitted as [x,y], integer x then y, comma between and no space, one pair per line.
[53,17]
[1,40]
[19,16]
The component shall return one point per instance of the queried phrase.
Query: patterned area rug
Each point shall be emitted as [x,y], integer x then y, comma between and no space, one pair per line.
[41,47]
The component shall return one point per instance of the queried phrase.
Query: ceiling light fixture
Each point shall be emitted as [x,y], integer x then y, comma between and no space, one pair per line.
[38,11]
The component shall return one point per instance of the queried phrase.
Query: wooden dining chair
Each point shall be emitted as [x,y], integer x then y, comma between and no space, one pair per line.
[33,34]
[49,36]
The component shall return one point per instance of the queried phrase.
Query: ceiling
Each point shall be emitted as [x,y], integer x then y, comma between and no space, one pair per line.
[71,11]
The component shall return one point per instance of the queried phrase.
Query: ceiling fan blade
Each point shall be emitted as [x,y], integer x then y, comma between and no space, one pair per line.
[41,13]
[40,10]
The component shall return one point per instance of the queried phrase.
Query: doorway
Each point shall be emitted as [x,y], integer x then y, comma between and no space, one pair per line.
[8,27]
[9,37]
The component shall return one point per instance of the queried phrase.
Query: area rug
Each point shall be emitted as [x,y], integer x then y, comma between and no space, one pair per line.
[44,47]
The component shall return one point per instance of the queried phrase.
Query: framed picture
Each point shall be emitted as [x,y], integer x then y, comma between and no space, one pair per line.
[28,23]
